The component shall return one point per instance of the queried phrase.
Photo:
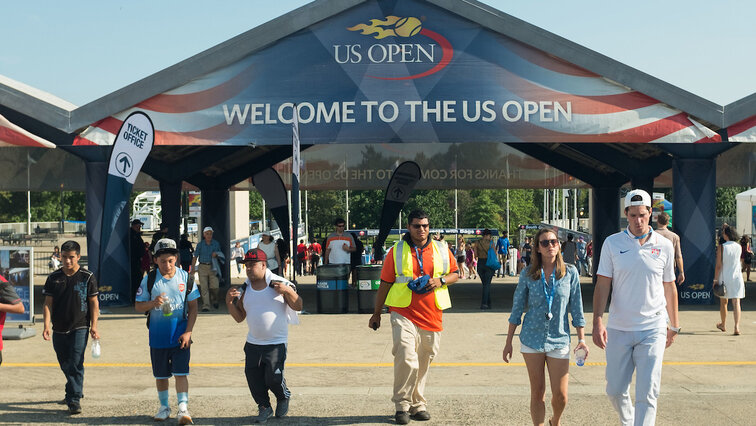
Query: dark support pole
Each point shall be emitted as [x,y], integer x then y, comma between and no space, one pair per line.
[645,183]
[170,202]
[605,218]
[693,213]
[96,176]
[215,214]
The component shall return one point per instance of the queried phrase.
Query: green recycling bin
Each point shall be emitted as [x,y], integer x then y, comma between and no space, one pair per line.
[368,278]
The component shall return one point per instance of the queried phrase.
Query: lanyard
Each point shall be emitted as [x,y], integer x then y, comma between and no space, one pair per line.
[419,260]
[548,294]
[642,236]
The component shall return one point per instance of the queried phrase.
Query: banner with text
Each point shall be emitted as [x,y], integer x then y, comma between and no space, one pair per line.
[131,148]
[407,71]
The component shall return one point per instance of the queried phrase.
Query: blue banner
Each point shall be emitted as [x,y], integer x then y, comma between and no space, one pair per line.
[131,148]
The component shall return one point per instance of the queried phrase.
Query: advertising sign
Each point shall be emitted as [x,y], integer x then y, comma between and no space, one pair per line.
[404,71]
[16,267]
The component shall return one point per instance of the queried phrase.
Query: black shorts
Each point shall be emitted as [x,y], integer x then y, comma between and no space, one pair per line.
[167,362]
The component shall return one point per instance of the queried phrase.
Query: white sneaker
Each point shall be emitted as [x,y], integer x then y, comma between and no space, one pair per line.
[183,416]
[163,413]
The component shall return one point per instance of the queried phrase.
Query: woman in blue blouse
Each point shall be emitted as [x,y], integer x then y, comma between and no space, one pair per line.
[550,289]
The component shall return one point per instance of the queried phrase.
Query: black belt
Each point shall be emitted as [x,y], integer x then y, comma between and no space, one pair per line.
[204,263]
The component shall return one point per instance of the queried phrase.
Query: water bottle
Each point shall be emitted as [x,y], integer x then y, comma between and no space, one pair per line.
[166,306]
[96,350]
[580,357]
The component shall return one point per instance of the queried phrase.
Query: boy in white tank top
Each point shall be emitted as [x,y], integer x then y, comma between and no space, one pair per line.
[269,303]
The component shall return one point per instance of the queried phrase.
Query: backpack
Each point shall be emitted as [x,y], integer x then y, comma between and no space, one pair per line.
[152,276]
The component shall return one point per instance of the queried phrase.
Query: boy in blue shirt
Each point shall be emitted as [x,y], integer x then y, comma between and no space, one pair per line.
[172,314]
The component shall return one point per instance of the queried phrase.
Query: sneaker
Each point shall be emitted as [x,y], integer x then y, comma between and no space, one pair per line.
[402,417]
[215,306]
[74,408]
[163,413]
[421,416]
[264,414]
[282,407]
[62,402]
[205,309]
[183,416]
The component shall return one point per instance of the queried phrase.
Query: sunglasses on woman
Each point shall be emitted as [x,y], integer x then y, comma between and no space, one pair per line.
[546,243]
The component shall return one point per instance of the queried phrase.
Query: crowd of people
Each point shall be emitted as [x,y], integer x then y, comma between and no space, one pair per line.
[639,268]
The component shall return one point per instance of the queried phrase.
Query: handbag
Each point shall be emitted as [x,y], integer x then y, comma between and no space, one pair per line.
[493,260]
[719,290]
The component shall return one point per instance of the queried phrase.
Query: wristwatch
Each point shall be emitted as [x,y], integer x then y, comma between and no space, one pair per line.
[675,329]
[443,280]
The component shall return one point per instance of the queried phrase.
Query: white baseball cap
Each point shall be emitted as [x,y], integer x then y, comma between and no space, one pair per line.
[645,198]
[209,228]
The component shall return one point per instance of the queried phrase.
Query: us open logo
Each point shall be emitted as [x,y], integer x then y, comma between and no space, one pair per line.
[409,43]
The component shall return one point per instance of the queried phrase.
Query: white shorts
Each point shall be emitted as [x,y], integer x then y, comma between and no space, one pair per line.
[561,353]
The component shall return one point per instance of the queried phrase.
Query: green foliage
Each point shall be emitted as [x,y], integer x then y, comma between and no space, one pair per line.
[438,204]
[255,206]
[725,200]
[45,206]
[324,207]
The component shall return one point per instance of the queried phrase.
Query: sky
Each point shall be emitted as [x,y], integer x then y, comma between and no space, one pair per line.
[75,49]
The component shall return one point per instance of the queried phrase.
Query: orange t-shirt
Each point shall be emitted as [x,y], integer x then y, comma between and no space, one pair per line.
[422,310]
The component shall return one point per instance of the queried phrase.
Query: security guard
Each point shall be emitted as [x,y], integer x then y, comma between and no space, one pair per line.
[414,280]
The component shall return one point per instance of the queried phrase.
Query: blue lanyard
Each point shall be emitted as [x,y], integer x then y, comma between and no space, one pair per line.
[642,236]
[419,260]
[548,294]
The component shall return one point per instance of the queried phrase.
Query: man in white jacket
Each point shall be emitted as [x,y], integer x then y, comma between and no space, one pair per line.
[269,303]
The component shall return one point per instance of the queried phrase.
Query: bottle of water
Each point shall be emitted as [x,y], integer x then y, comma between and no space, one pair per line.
[580,357]
[96,350]
[166,306]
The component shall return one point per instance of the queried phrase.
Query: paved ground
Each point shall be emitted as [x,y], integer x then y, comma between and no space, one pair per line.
[339,372]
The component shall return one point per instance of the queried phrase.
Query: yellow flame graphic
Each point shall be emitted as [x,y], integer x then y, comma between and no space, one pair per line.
[697,287]
[397,27]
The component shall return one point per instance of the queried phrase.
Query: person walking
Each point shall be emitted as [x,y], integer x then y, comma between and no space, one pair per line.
[582,258]
[502,250]
[637,267]
[10,303]
[136,252]
[728,273]
[746,255]
[339,245]
[486,273]
[471,261]
[569,250]
[237,253]
[414,280]
[662,221]
[527,250]
[461,256]
[550,289]
[170,299]
[269,303]
[270,248]
[315,251]
[186,252]
[206,251]
[70,315]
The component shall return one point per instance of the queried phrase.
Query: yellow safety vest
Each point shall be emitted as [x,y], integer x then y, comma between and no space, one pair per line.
[400,295]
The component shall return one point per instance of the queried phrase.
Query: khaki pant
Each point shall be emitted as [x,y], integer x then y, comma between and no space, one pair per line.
[414,350]
[208,280]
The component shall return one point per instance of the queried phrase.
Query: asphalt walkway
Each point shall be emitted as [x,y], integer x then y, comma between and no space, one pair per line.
[339,371]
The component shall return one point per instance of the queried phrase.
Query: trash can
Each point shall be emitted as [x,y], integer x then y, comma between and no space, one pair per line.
[368,279]
[332,289]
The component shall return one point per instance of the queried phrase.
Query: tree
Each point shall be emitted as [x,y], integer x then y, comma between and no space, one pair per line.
[438,204]
[725,200]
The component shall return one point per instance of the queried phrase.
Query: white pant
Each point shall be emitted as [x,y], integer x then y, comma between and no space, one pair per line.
[414,350]
[642,351]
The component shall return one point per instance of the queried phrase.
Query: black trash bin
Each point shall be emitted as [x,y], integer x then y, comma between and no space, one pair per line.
[332,289]
[368,279]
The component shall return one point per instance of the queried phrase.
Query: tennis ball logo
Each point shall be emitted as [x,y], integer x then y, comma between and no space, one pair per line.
[408,27]
[392,26]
